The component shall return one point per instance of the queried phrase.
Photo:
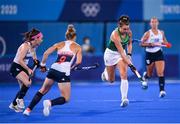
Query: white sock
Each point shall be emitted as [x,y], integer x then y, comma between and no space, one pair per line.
[106,74]
[124,89]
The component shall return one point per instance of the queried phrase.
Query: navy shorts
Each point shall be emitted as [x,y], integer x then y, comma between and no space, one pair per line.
[58,76]
[152,57]
[16,69]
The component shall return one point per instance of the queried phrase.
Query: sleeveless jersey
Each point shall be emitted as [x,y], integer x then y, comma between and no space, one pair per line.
[26,58]
[152,39]
[64,59]
[124,42]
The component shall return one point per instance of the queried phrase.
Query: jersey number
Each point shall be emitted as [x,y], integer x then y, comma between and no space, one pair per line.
[62,59]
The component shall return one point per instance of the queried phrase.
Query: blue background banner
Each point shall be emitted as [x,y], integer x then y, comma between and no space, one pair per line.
[24,10]
[11,32]
[171,9]
[69,10]
[107,10]
[55,32]
[95,19]
[99,34]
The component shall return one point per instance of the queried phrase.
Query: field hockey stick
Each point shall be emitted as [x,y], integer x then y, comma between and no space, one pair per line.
[143,82]
[31,75]
[136,40]
[167,45]
[94,66]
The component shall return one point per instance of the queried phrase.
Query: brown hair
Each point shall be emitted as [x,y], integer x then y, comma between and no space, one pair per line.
[28,35]
[123,20]
[154,18]
[71,32]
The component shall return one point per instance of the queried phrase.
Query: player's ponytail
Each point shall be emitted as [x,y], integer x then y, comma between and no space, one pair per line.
[123,20]
[71,32]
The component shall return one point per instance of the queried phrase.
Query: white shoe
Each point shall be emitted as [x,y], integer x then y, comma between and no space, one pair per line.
[20,103]
[47,107]
[27,112]
[162,94]
[104,75]
[103,78]
[15,108]
[124,102]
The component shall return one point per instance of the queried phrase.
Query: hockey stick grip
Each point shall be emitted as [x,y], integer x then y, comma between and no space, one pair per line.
[30,76]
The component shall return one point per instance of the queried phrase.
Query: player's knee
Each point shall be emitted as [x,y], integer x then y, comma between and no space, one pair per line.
[27,83]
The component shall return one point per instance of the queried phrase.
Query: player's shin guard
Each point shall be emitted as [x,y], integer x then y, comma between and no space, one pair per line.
[35,100]
[161,83]
[23,91]
[124,88]
[58,101]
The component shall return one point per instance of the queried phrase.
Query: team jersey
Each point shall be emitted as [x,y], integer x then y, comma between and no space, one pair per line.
[64,59]
[124,41]
[26,58]
[152,39]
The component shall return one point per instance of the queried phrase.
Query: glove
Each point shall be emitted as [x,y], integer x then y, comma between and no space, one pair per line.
[43,68]
[36,63]
[132,67]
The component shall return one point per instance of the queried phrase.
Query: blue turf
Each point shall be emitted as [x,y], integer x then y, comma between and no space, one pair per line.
[98,102]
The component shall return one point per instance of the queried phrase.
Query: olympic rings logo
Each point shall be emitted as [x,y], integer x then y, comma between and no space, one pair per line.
[2,41]
[90,9]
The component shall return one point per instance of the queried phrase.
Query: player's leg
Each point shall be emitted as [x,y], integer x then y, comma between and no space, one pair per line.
[160,65]
[65,89]
[149,71]
[111,59]
[20,84]
[37,97]
[18,100]
[122,66]
[108,74]
[149,61]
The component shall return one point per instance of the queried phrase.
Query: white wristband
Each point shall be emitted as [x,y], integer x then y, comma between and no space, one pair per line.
[43,64]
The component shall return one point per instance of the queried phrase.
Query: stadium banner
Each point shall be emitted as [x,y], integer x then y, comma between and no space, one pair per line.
[55,32]
[11,37]
[69,10]
[171,9]
[30,10]
[162,9]
[5,64]
[101,10]
[94,74]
